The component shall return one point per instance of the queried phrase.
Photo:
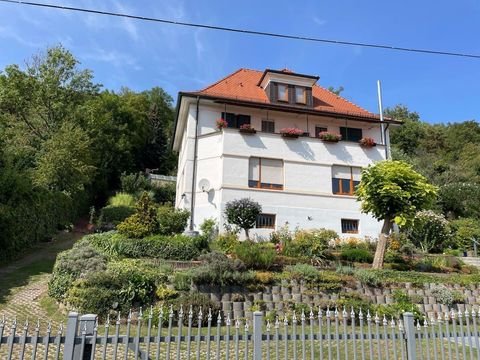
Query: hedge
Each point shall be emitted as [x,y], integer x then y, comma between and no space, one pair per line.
[115,245]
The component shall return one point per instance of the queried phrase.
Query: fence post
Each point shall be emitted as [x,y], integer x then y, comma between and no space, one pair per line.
[257,335]
[87,324]
[70,334]
[409,326]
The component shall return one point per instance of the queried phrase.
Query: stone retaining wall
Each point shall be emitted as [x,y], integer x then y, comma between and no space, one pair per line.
[278,297]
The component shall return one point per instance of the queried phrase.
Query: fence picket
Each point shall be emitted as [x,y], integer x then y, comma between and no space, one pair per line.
[312,340]
[469,333]
[329,338]
[462,333]
[189,330]
[34,339]
[302,319]
[127,336]
[219,325]
[320,324]
[159,333]
[169,336]
[117,335]
[440,335]
[345,336]
[149,333]
[46,341]
[354,340]
[209,332]
[370,335]
[199,331]
[23,340]
[246,339]
[448,333]
[392,333]
[362,342]
[137,337]
[475,331]
[401,335]
[237,338]
[179,333]
[285,336]
[385,340]
[294,329]
[377,335]
[94,340]
[277,345]
[268,339]
[105,337]
[337,337]
[455,334]
[425,334]
[11,338]
[228,323]
[433,336]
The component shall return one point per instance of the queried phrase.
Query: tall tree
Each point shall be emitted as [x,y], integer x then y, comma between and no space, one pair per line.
[393,192]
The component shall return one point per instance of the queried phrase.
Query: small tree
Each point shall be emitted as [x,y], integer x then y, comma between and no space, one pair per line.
[143,222]
[393,192]
[243,213]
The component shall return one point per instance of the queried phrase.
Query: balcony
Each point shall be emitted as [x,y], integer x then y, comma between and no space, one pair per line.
[302,149]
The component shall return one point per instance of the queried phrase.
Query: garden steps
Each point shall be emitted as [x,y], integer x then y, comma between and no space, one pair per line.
[470,260]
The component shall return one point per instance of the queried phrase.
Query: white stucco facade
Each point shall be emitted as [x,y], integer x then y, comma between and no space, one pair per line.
[307,199]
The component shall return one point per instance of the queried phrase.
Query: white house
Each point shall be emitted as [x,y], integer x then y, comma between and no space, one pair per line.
[303,182]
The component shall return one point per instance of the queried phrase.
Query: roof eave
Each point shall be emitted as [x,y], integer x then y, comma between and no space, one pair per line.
[226,100]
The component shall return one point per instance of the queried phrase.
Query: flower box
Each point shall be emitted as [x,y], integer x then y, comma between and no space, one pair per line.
[329,137]
[247,129]
[367,142]
[291,133]
[221,123]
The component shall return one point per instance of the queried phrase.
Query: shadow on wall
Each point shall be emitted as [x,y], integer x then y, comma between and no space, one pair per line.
[301,148]
[254,141]
[339,152]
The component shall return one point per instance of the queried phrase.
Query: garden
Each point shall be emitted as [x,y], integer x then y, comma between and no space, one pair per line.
[137,257]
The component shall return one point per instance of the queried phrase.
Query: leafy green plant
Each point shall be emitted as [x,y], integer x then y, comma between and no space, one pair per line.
[171,221]
[143,222]
[429,231]
[310,243]
[356,255]
[225,243]
[368,277]
[115,214]
[134,183]
[122,199]
[255,255]
[446,296]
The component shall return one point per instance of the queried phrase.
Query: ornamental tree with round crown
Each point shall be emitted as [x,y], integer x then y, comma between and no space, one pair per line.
[243,213]
[393,192]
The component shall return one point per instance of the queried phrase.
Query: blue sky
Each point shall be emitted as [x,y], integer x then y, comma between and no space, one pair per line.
[140,55]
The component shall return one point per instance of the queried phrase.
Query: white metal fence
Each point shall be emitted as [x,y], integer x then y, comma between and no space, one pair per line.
[332,334]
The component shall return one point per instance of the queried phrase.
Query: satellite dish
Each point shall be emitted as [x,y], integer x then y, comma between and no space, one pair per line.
[204,185]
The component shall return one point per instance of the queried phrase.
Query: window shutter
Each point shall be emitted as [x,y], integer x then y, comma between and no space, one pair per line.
[273,92]
[357,173]
[291,94]
[308,95]
[341,172]
[254,169]
[272,171]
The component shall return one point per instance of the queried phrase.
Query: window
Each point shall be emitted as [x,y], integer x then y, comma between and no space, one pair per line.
[345,179]
[265,173]
[300,95]
[349,226]
[319,129]
[268,126]
[235,120]
[351,134]
[265,221]
[282,92]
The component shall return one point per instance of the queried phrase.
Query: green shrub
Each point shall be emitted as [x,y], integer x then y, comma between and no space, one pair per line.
[122,199]
[356,255]
[134,183]
[171,221]
[225,243]
[123,285]
[72,264]
[220,270]
[164,293]
[446,296]
[299,272]
[209,229]
[311,243]
[116,245]
[143,222]
[256,255]
[429,231]
[344,270]
[115,214]
[164,194]
[464,231]
[369,277]
[402,303]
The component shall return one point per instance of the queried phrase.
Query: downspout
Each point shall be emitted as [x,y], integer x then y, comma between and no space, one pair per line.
[194,175]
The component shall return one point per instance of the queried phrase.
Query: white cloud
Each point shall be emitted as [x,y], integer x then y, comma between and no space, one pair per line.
[113,57]
[319,21]
[8,33]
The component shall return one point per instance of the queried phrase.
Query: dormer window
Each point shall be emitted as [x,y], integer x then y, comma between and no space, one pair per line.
[282,92]
[300,95]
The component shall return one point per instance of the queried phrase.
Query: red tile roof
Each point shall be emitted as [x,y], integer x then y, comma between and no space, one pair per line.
[243,85]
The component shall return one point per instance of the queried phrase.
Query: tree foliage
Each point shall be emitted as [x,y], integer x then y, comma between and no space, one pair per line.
[243,213]
[429,231]
[393,191]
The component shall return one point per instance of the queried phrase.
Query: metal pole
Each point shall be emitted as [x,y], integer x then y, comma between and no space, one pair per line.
[257,335]
[382,123]
[409,327]
[194,174]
